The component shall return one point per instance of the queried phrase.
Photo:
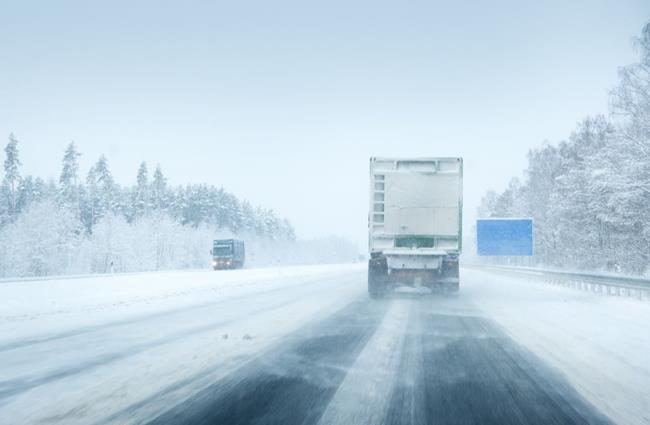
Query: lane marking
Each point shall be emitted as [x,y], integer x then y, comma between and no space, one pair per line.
[364,395]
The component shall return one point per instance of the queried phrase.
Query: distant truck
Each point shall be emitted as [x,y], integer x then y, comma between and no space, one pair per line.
[228,254]
[415,223]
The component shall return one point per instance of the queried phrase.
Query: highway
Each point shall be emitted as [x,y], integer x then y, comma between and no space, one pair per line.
[310,347]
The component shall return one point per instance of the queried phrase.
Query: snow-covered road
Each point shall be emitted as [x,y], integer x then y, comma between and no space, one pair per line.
[306,345]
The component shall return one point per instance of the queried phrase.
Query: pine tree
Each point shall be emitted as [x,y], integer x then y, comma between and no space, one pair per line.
[103,174]
[159,190]
[12,175]
[107,190]
[142,180]
[5,217]
[27,193]
[247,216]
[69,179]
[90,201]
[141,193]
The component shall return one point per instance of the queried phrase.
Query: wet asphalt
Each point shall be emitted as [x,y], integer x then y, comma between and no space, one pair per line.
[451,365]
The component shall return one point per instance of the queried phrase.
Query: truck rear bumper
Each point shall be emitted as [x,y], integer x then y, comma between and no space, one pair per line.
[428,278]
[416,270]
[413,262]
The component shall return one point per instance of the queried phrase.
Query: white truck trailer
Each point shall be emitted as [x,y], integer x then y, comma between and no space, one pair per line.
[415,223]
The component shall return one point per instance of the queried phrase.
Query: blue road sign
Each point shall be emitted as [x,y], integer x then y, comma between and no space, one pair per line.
[504,236]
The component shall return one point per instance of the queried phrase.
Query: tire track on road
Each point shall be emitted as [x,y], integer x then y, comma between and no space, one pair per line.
[413,360]
[464,369]
[292,383]
[14,387]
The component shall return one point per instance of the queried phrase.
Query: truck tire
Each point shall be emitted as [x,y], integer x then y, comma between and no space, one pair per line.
[377,277]
[451,274]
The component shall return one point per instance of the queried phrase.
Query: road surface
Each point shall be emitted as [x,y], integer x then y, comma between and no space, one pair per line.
[287,347]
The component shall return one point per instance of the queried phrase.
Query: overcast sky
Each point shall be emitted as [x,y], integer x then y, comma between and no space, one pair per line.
[283,103]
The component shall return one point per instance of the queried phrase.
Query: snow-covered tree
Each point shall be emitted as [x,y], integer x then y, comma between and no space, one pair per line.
[45,239]
[12,175]
[90,205]
[159,194]
[141,193]
[107,191]
[31,190]
[69,178]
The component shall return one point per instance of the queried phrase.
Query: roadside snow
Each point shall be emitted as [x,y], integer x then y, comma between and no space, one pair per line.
[600,343]
[122,349]
[54,305]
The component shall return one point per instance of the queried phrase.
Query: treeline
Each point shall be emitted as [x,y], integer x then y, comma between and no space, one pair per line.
[94,225]
[589,195]
[97,195]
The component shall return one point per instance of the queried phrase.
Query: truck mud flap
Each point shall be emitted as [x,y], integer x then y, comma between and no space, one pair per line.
[377,277]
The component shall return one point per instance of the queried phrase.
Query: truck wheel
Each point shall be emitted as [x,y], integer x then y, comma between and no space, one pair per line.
[377,277]
[451,273]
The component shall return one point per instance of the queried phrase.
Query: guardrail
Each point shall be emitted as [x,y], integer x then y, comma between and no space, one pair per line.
[625,286]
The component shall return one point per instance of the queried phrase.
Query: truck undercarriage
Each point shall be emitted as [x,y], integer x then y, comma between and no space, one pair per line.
[383,279]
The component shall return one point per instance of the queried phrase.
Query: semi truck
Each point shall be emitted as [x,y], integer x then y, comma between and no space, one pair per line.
[415,223]
[227,254]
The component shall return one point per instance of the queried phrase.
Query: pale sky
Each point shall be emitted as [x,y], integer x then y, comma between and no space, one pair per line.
[283,103]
